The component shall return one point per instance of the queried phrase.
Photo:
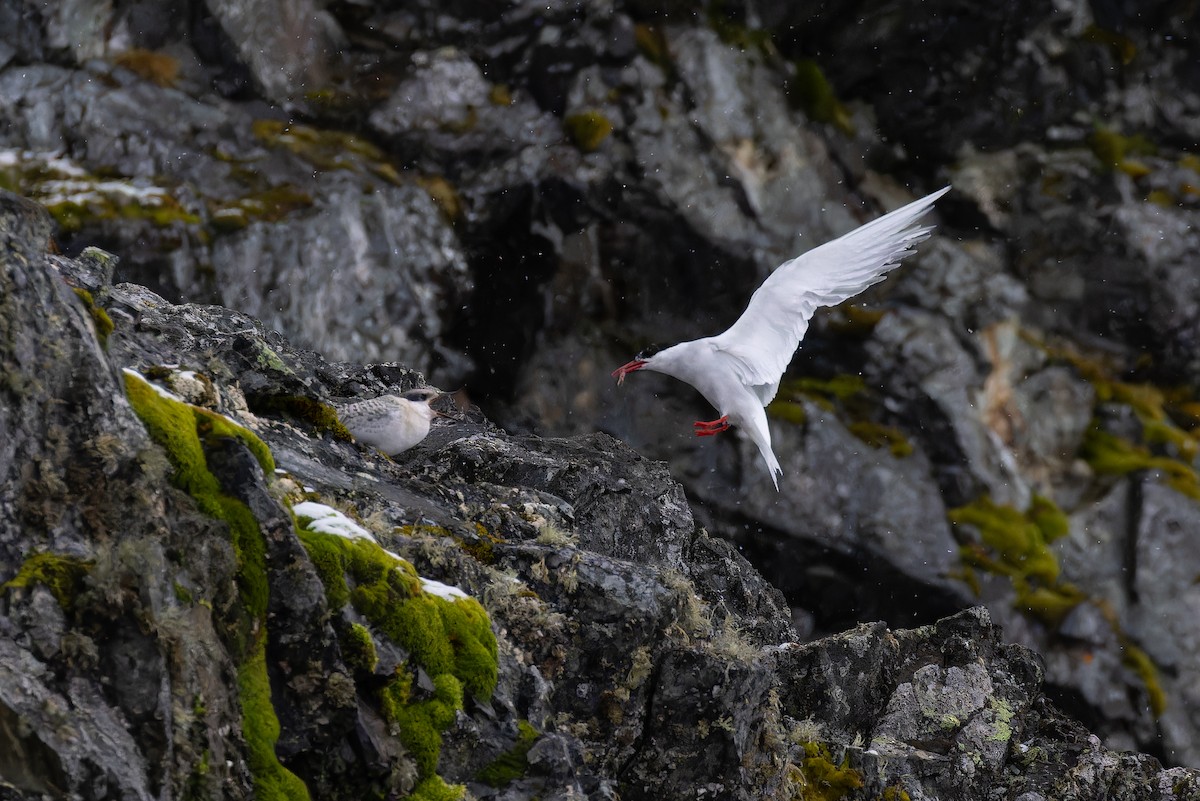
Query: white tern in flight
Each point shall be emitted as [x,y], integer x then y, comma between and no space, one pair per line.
[391,423]
[738,372]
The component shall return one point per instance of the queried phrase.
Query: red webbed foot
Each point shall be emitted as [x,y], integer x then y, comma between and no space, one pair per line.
[711,427]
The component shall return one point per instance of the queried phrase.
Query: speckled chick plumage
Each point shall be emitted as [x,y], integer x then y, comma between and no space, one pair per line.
[391,423]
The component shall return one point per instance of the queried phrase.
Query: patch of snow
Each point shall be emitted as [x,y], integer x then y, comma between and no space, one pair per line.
[166,393]
[327,520]
[442,590]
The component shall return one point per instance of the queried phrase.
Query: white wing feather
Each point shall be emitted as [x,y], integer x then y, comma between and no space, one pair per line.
[761,343]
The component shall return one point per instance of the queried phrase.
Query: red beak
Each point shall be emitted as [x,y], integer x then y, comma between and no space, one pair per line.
[626,369]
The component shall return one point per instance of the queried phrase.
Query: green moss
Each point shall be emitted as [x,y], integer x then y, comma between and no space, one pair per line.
[841,387]
[358,648]
[1108,453]
[789,411]
[157,68]
[1140,663]
[321,416]
[814,94]
[451,641]
[588,129]
[100,318]
[731,26]
[326,149]
[268,205]
[652,44]
[183,594]
[1049,604]
[822,778]
[895,793]
[181,429]
[435,788]
[1050,520]
[62,575]
[513,763]
[445,196]
[1121,45]
[881,436]
[1115,151]
[260,727]
[1016,540]
[852,320]
[1014,544]
[420,723]
[480,544]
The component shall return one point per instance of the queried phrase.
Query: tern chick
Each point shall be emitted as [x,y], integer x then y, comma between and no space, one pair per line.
[738,371]
[391,423]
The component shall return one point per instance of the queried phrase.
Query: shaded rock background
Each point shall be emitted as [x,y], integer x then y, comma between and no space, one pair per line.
[518,198]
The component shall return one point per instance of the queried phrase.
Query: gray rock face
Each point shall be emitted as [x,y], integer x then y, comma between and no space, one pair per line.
[645,658]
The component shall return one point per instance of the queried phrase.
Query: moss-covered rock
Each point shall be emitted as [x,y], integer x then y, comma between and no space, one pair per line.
[821,778]
[182,429]
[62,575]
[513,763]
[449,639]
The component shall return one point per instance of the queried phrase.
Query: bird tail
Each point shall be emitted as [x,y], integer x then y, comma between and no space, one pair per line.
[768,456]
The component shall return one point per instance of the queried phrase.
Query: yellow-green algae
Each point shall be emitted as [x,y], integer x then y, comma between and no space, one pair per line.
[100,318]
[816,96]
[181,429]
[513,763]
[1140,663]
[845,394]
[321,416]
[1015,544]
[1116,151]
[652,43]
[327,149]
[822,779]
[76,197]
[734,31]
[588,129]
[1121,45]
[895,793]
[160,69]
[451,640]
[268,205]
[62,575]
[1113,455]
[1137,660]
[880,436]
[1169,418]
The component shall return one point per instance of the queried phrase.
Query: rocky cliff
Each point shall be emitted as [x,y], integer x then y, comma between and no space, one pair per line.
[210,593]
[515,199]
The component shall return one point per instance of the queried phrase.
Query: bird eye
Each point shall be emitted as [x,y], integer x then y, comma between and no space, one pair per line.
[648,351]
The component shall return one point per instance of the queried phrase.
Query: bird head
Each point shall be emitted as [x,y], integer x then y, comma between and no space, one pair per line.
[640,361]
[422,397]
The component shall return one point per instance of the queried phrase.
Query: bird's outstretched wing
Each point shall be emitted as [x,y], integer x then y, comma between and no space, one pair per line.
[761,343]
